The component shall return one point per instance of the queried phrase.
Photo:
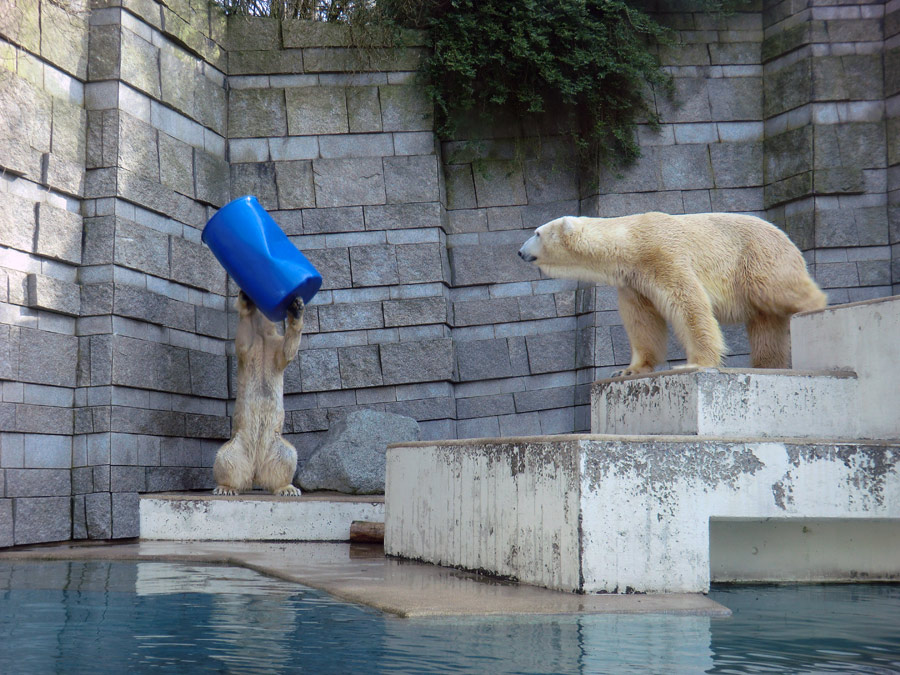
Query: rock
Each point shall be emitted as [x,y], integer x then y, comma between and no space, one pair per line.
[351,456]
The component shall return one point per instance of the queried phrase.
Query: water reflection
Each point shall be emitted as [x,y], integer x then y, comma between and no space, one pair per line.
[83,617]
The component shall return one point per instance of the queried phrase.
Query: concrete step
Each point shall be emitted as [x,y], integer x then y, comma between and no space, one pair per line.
[863,337]
[728,403]
[314,516]
[615,514]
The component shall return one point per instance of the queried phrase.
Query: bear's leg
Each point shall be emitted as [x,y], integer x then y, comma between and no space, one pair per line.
[690,312]
[770,341]
[646,330]
[276,468]
[232,469]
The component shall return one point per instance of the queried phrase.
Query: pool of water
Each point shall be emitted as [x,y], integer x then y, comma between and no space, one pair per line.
[89,617]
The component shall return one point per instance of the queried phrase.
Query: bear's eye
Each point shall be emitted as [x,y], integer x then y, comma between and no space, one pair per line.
[537,234]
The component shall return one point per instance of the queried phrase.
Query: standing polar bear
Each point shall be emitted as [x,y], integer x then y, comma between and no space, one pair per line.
[257,454]
[689,270]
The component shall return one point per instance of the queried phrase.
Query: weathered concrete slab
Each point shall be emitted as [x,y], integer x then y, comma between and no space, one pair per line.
[728,402]
[615,514]
[361,574]
[323,516]
[863,337]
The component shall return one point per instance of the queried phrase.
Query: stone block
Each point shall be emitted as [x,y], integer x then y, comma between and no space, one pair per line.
[479,427]
[320,369]
[126,520]
[735,98]
[411,179]
[853,77]
[17,222]
[334,266]
[485,406]
[63,175]
[105,52]
[360,366]
[38,482]
[841,180]
[25,125]
[348,182]
[43,519]
[363,109]
[294,181]
[685,167]
[6,522]
[211,176]
[350,316]
[500,183]
[59,233]
[47,358]
[54,295]
[405,108]
[266,62]
[355,145]
[736,164]
[483,359]
[253,33]
[690,102]
[422,361]
[485,312]
[460,186]
[850,145]
[550,179]
[127,479]
[256,112]
[420,263]
[553,352]
[209,374]
[68,131]
[478,264]
[304,421]
[139,65]
[178,82]
[176,166]
[195,265]
[341,219]
[403,216]
[137,421]
[415,311]
[64,38]
[20,23]
[373,265]
[787,88]
[544,399]
[258,179]
[137,247]
[316,110]
[98,515]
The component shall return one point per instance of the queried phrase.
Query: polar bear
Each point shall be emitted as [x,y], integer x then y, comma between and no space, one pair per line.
[689,270]
[256,453]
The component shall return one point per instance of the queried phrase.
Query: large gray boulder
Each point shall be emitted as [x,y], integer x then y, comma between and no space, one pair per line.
[351,456]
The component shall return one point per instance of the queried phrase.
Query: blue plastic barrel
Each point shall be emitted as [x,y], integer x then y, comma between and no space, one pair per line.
[259,257]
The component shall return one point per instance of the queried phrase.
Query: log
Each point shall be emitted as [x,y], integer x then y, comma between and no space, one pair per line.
[366,532]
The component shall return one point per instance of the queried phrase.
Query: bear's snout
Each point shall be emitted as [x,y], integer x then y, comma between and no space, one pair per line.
[527,257]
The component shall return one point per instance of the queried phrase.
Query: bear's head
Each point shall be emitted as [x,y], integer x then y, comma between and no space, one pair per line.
[552,244]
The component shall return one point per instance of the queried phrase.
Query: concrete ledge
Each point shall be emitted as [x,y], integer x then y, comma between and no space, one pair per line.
[728,402]
[361,574]
[620,514]
[863,337]
[316,516]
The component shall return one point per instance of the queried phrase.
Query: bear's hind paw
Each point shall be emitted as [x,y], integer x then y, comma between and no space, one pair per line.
[225,490]
[287,491]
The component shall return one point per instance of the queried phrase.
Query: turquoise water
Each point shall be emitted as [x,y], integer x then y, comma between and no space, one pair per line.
[90,617]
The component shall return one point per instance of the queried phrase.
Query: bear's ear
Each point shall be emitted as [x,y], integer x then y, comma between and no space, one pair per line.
[567,225]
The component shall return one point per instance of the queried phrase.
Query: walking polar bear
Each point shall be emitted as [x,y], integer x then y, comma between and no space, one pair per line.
[257,454]
[689,270]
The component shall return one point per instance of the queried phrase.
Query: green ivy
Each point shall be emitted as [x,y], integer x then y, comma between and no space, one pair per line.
[586,65]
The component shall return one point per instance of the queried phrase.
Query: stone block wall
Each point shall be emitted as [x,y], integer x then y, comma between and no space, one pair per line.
[124,124]
[43,64]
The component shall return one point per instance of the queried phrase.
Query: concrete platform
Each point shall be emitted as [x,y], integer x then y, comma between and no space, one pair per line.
[863,337]
[257,516]
[729,403]
[361,574]
[614,514]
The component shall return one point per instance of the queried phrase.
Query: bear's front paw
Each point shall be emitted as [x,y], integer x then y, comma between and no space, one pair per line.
[296,308]
[244,304]
[225,490]
[288,491]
